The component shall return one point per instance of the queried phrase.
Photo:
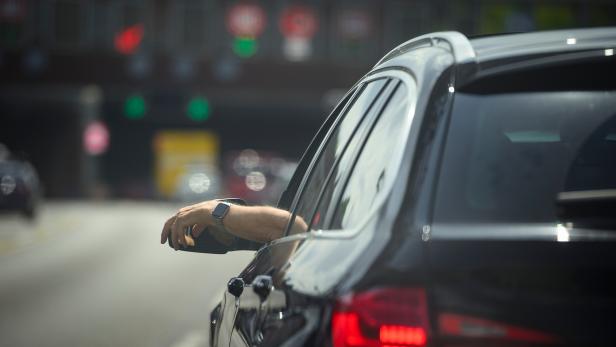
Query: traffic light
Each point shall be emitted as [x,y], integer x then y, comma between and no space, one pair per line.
[134,107]
[198,109]
[245,22]
[129,39]
[245,47]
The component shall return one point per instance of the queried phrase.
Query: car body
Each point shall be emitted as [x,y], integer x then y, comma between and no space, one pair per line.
[461,194]
[19,187]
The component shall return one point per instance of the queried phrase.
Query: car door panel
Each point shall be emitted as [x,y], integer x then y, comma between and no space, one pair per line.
[254,325]
[225,315]
[245,330]
[224,322]
[250,318]
[306,268]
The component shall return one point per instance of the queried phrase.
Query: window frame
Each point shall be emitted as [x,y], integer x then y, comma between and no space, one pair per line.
[410,80]
[413,89]
[289,195]
[392,87]
[322,145]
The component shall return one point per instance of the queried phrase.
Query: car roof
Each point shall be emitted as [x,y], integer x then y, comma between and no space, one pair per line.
[543,42]
[507,46]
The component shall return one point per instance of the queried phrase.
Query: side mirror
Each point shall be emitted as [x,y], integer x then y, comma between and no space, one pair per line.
[216,241]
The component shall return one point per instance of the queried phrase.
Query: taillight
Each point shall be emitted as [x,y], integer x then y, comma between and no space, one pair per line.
[385,317]
[451,324]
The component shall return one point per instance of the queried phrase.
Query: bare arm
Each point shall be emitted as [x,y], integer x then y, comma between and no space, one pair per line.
[257,223]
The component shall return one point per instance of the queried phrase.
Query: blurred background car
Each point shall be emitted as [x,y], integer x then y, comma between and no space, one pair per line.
[20,188]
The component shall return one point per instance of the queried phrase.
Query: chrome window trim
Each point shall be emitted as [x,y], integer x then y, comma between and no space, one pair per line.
[460,46]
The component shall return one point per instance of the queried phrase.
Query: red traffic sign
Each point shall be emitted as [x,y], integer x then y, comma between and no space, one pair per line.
[246,20]
[95,138]
[298,22]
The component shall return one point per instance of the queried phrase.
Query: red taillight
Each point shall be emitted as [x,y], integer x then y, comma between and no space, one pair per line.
[385,317]
[402,335]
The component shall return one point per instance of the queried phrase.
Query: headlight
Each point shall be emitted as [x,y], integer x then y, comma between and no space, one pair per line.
[7,184]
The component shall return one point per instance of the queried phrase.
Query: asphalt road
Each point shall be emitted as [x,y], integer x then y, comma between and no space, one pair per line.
[94,274]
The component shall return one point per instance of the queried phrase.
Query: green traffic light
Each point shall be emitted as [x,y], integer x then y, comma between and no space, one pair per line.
[198,109]
[134,107]
[245,47]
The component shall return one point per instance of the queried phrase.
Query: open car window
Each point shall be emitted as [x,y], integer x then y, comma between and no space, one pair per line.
[374,168]
[336,145]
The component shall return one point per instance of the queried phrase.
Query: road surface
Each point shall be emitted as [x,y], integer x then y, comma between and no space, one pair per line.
[94,274]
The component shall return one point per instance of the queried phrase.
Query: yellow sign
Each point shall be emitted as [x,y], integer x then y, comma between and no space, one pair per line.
[175,151]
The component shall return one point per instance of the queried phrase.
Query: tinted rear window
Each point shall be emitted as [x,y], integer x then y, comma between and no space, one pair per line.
[508,155]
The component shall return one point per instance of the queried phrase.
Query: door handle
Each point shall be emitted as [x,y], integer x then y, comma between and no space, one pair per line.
[235,286]
[262,286]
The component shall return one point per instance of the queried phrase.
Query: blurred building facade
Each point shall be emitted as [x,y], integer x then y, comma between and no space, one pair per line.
[92,91]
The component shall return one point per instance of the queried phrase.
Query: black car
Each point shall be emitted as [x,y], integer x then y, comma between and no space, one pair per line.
[461,194]
[19,185]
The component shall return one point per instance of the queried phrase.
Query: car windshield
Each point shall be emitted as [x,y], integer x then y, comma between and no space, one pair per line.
[508,155]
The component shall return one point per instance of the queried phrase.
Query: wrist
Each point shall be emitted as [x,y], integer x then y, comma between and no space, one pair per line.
[220,231]
[209,207]
[220,212]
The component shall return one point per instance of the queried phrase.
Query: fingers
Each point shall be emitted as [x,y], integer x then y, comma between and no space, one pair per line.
[177,234]
[187,224]
[197,230]
[188,239]
[164,235]
[180,237]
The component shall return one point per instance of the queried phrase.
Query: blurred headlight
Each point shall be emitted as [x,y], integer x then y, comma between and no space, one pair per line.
[7,184]
[199,183]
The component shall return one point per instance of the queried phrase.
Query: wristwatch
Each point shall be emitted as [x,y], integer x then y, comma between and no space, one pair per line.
[219,213]
[219,232]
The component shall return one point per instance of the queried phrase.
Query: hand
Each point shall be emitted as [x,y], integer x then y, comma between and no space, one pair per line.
[196,216]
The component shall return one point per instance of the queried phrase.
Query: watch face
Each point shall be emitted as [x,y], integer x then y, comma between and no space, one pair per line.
[220,211]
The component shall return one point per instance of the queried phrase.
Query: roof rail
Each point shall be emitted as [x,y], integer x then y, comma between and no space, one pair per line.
[459,45]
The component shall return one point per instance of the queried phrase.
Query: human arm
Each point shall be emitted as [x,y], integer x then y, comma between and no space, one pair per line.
[256,223]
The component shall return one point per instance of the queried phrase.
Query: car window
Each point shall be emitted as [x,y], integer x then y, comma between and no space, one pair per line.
[335,147]
[375,167]
[508,155]
[288,194]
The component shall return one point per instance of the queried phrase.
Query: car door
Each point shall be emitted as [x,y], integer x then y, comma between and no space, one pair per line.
[294,285]
[262,275]
[338,234]
[343,221]
[224,316]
